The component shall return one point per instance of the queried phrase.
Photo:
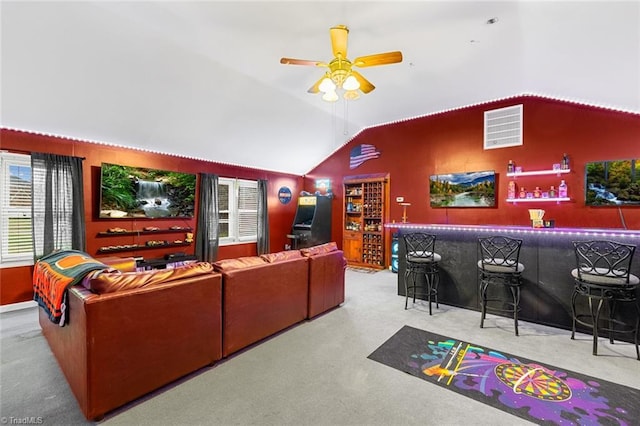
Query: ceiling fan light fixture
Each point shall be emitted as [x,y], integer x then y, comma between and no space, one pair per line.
[351,95]
[339,77]
[330,96]
[327,85]
[351,83]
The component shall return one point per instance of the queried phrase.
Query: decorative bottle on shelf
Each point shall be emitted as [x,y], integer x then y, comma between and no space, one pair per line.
[511,192]
[523,192]
[565,162]
[552,192]
[511,167]
[537,193]
[562,189]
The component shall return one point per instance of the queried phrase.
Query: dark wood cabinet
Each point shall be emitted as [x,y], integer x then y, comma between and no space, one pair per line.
[366,206]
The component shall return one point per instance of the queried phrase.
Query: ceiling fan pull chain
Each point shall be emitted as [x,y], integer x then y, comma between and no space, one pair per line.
[346,117]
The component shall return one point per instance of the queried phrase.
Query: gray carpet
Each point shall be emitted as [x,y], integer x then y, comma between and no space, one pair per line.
[316,373]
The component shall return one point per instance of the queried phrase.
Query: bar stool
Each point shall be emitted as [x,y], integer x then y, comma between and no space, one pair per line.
[603,277]
[421,259]
[499,266]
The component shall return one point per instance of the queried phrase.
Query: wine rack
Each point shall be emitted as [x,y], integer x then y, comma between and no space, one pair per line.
[365,210]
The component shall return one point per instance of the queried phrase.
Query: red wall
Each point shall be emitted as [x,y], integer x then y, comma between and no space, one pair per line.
[449,142]
[15,285]
[411,151]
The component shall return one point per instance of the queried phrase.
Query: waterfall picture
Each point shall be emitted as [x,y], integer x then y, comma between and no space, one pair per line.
[613,183]
[129,192]
[469,189]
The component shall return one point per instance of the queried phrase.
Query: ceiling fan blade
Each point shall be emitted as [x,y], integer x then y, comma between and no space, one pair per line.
[291,61]
[339,40]
[316,87]
[378,59]
[365,85]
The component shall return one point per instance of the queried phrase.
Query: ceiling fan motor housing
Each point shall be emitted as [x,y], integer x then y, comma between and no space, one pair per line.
[339,69]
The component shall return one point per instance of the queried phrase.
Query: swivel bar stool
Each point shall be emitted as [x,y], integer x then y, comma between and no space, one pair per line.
[421,259]
[603,277]
[499,266]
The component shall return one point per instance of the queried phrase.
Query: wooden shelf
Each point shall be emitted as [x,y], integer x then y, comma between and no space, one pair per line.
[136,247]
[539,173]
[143,232]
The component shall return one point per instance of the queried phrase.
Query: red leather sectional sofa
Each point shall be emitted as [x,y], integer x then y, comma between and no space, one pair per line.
[131,333]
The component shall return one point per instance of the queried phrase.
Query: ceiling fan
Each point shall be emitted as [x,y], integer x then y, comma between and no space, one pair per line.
[340,73]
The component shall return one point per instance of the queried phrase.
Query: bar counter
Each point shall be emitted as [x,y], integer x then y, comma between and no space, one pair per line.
[546,253]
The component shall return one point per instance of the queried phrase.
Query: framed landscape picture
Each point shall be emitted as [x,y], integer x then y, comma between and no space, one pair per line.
[613,183]
[468,189]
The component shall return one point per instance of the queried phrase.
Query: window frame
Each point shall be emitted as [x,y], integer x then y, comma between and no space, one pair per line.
[8,159]
[234,211]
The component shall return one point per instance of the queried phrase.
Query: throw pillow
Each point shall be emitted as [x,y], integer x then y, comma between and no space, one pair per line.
[281,255]
[319,249]
[238,263]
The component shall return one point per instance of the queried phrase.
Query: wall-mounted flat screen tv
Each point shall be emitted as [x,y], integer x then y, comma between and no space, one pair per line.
[135,192]
[468,189]
[613,183]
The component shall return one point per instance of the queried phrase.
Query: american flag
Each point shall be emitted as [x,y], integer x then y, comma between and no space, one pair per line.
[362,153]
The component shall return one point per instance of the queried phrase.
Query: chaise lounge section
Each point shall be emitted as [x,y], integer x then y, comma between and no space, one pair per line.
[121,345]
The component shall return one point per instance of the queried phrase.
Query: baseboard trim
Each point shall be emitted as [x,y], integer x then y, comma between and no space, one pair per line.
[17,306]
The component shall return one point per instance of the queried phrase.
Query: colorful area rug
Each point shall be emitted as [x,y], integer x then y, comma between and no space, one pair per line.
[533,391]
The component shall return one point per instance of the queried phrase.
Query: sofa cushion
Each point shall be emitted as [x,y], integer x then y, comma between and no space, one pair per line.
[122,264]
[238,263]
[109,282]
[322,248]
[281,255]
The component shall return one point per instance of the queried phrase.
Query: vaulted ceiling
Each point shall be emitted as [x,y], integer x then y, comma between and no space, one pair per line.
[203,78]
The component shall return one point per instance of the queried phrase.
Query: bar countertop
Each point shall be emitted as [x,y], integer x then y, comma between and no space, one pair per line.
[547,254]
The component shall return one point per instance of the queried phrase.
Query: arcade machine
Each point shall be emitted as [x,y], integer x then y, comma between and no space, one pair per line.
[312,224]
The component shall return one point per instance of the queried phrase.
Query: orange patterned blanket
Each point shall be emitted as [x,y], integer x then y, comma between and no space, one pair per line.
[54,274]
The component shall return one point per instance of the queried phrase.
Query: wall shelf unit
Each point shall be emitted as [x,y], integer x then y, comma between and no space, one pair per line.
[136,247]
[539,173]
[538,200]
[144,232]
[148,245]
[542,196]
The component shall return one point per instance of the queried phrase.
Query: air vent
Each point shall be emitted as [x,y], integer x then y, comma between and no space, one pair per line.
[503,127]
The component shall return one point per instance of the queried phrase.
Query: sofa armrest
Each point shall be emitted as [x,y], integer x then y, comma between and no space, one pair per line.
[326,281]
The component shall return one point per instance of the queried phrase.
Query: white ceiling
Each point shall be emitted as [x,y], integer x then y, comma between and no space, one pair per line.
[203,78]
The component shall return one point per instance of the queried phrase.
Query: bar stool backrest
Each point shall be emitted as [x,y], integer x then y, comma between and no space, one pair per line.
[499,251]
[420,246]
[605,262]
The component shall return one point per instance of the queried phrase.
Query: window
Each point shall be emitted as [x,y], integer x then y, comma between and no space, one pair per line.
[237,210]
[15,205]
